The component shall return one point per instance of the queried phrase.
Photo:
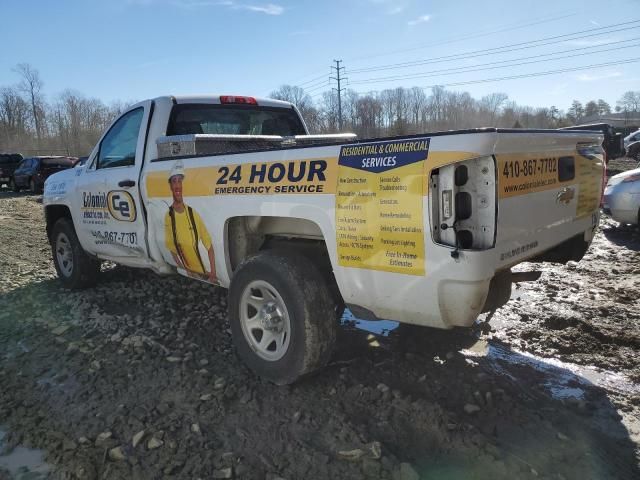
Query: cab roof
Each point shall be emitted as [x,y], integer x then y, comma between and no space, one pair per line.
[215,100]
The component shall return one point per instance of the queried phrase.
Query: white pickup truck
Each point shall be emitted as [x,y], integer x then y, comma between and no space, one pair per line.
[422,229]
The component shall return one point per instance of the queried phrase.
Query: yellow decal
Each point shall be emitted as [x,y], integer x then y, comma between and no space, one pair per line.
[316,175]
[520,173]
[589,173]
[379,214]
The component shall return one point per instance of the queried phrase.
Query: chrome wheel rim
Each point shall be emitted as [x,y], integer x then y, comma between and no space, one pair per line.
[265,320]
[64,254]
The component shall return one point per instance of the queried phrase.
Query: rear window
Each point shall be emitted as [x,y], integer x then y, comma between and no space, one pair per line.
[57,162]
[234,120]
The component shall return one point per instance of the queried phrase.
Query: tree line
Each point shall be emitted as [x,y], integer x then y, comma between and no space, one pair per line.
[402,111]
[71,124]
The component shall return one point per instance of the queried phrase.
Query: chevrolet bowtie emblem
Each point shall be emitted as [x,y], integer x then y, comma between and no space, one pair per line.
[565,195]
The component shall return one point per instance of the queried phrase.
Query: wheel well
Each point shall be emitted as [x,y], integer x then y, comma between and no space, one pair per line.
[248,235]
[53,213]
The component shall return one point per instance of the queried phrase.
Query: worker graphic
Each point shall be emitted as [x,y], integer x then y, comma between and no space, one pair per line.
[185,231]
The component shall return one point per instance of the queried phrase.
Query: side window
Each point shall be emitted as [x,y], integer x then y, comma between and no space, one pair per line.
[118,147]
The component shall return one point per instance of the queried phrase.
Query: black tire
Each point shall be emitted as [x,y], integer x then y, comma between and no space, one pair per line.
[83,270]
[311,312]
[13,186]
[34,187]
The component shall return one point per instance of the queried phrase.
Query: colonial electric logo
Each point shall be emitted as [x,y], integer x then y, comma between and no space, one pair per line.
[100,207]
[94,208]
[94,200]
[121,206]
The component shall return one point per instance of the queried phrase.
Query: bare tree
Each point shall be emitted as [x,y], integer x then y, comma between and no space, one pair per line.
[591,108]
[576,111]
[14,113]
[302,100]
[31,85]
[492,103]
[603,107]
[630,101]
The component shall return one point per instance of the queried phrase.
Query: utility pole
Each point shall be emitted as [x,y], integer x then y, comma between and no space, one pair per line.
[338,78]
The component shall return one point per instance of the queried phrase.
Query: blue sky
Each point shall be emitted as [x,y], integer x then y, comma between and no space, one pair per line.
[136,49]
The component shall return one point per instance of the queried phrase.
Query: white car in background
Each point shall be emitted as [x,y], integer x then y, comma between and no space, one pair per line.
[632,137]
[622,197]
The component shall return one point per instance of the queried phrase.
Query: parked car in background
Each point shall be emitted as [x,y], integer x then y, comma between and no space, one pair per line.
[32,172]
[612,143]
[633,150]
[8,163]
[622,197]
[632,137]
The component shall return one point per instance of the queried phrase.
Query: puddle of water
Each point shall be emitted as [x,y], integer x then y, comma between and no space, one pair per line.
[378,327]
[23,463]
[563,380]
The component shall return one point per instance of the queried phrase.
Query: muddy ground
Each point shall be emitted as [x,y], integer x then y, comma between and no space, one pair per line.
[137,378]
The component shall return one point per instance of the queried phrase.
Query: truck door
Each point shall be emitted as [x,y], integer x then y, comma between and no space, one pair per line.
[111,222]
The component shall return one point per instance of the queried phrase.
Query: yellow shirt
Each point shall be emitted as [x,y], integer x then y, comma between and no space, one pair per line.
[186,240]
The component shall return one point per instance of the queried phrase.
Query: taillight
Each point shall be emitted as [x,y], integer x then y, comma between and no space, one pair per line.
[604,177]
[463,204]
[238,100]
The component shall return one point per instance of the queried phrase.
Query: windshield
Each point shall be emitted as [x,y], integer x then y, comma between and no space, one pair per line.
[234,120]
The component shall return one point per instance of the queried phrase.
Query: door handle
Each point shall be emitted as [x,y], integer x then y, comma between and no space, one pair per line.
[127,183]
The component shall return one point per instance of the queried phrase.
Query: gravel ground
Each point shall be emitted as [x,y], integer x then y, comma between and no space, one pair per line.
[136,378]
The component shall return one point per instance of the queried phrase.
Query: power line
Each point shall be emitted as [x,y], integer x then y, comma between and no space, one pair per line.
[326,84]
[464,37]
[453,40]
[504,48]
[526,75]
[322,82]
[499,64]
[312,80]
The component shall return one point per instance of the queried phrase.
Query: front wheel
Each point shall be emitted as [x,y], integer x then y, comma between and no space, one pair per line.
[75,268]
[282,316]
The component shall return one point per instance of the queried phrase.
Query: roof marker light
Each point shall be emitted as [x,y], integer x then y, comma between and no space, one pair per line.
[238,100]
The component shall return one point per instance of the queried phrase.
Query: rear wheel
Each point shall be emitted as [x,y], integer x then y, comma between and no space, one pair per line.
[33,186]
[75,268]
[282,316]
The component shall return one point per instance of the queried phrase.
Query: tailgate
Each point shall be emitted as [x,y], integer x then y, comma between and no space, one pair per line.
[549,188]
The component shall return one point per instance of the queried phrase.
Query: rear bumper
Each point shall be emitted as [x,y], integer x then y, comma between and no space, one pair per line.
[454,292]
